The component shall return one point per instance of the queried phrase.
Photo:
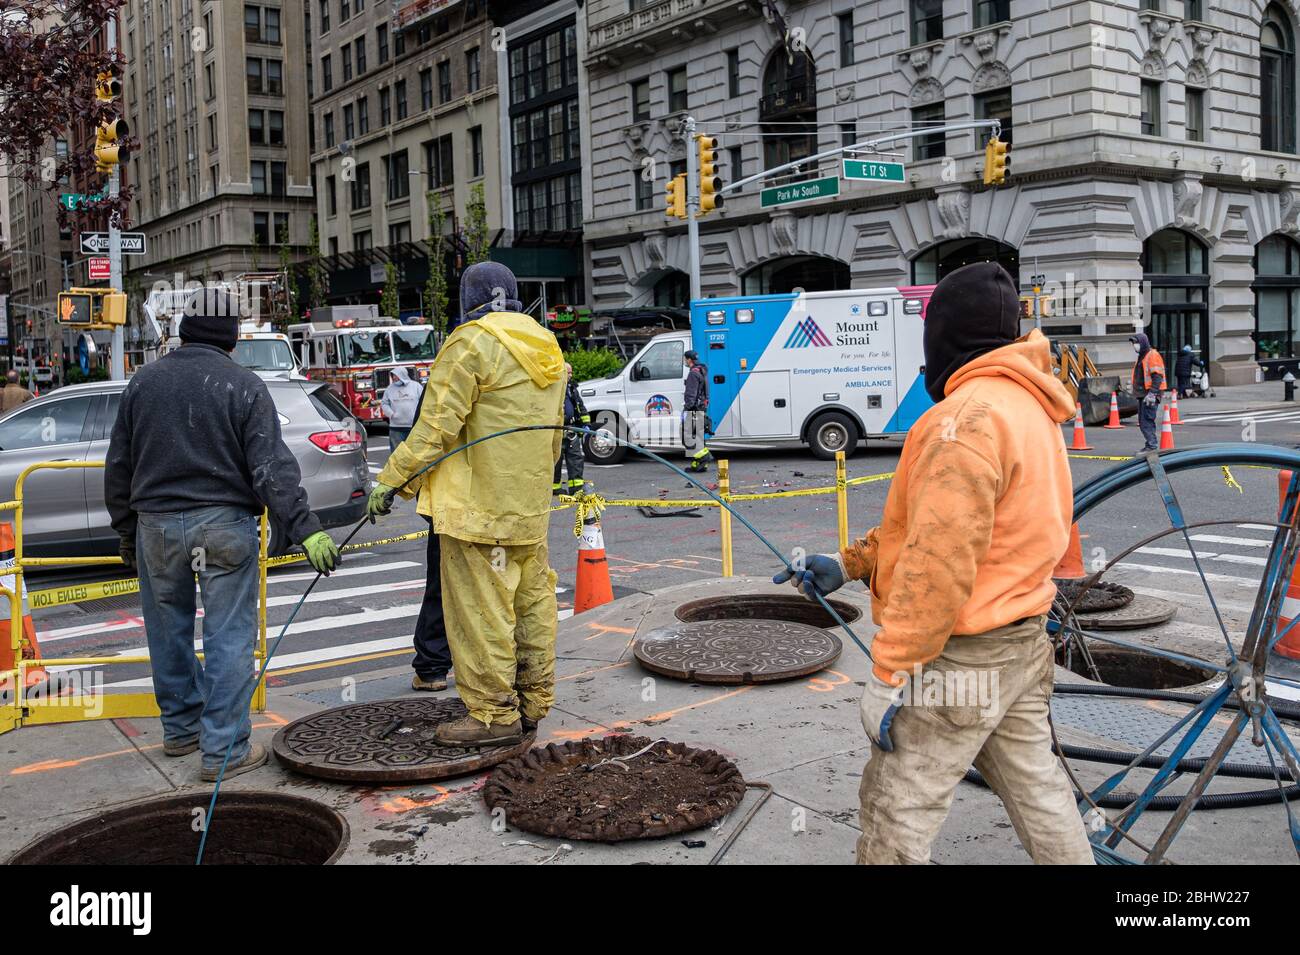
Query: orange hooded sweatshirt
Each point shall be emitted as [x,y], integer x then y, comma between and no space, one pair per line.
[978,513]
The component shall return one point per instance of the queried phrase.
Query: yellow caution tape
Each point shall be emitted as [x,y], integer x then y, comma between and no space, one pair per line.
[586,505]
[77,593]
[1231,481]
[1103,457]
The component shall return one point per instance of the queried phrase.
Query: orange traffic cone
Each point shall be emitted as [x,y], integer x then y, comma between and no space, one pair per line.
[1114,412]
[28,647]
[1080,438]
[1070,566]
[1288,646]
[593,588]
[1173,410]
[1166,432]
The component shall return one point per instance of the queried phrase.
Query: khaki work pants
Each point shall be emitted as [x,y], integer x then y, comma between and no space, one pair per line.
[906,793]
[499,605]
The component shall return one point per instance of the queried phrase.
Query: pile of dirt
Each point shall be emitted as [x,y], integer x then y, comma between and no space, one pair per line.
[1100,597]
[617,788]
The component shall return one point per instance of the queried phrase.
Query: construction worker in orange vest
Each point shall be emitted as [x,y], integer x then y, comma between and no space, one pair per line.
[1148,382]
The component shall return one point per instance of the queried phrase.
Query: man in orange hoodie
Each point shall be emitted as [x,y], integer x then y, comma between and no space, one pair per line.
[960,571]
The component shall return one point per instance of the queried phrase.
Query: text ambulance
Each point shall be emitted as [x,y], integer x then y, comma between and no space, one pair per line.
[825,369]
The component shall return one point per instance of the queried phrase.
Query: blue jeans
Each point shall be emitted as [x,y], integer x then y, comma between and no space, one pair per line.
[210,699]
[1148,422]
[396,436]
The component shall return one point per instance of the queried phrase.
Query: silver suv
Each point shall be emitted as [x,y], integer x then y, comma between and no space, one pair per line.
[64,512]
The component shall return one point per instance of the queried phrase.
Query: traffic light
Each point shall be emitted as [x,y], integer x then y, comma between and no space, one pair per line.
[109,150]
[675,207]
[995,161]
[710,182]
[107,87]
[92,307]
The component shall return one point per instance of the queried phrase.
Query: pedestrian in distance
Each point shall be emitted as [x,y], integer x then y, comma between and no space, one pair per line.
[398,405]
[960,572]
[1148,385]
[1184,366]
[490,505]
[696,426]
[571,453]
[194,456]
[14,394]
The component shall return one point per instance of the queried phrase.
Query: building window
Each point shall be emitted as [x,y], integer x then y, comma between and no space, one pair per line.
[271,26]
[254,73]
[736,165]
[788,111]
[473,74]
[360,188]
[1195,115]
[346,53]
[733,76]
[327,75]
[256,124]
[1192,10]
[444,81]
[1174,267]
[274,78]
[677,90]
[257,176]
[329,129]
[399,232]
[927,20]
[995,104]
[359,48]
[209,82]
[324,16]
[643,186]
[212,131]
[1150,108]
[361,241]
[278,181]
[845,21]
[1277,299]
[385,106]
[399,43]
[331,196]
[989,12]
[932,145]
[1277,106]
[640,100]
[363,115]
[261,228]
[426,89]
[253,24]
[282,227]
[397,171]
[438,164]
[349,127]
[848,133]
[476,152]
[381,43]
[344,11]
[400,94]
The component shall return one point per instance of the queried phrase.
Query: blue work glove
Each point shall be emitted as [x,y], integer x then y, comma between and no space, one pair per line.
[822,574]
[880,702]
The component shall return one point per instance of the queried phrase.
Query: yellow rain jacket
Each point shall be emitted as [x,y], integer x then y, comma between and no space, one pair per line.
[498,372]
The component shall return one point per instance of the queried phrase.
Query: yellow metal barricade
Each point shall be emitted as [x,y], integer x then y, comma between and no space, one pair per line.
[22,706]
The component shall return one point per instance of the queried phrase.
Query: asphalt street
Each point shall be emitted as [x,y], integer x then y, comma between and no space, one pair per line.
[361,618]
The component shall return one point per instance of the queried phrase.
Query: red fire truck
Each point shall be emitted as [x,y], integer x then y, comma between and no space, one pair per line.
[355,350]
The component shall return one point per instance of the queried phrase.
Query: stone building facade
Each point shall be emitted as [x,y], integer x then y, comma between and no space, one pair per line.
[1154,180]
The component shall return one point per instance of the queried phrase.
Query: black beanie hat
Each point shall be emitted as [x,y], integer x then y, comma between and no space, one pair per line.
[211,318]
[973,310]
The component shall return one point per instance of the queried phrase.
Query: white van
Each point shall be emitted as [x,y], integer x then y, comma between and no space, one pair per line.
[822,369]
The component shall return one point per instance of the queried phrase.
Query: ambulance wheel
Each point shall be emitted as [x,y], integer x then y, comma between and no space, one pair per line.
[614,455]
[830,433]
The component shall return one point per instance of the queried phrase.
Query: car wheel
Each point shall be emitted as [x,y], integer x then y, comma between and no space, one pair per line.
[609,420]
[830,433]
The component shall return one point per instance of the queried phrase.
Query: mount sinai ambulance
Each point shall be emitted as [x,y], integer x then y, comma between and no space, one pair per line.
[823,369]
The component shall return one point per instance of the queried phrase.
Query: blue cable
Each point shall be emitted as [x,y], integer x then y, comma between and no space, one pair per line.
[257,677]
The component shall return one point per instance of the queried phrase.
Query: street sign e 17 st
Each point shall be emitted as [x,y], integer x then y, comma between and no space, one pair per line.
[806,191]
[873,170]
[96,243]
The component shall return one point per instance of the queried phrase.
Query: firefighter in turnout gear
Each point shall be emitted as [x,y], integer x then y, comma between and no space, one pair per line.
[696,426]
[575,416]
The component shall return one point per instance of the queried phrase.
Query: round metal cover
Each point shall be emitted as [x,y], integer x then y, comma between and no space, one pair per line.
[612,789]
[1142,611]
[737,651]
[1100,597]
[388,741]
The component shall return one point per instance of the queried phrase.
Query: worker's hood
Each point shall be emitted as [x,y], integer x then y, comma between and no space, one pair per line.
[1143,343]
[973,310]
[401,376]
[1028,362]
[531,345]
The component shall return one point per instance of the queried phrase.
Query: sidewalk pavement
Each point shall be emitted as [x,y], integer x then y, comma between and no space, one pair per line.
[1239,398]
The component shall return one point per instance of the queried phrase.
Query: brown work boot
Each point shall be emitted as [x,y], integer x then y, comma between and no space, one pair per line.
[432,684]
[256,757]
[469,732]
[173,748]
[530,726]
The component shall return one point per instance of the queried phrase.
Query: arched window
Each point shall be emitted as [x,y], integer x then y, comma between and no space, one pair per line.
[1277,299]
[1175,269]
[788,111]
[673,290]
[1277,82]
[811,273]
[938,260]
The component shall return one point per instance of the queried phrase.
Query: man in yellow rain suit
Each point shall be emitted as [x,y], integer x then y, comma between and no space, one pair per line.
[490,505]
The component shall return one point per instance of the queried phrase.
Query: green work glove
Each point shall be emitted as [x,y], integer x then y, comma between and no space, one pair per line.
[322,552]
[380,502]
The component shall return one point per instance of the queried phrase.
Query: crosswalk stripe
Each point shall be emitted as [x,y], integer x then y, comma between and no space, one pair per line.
[1219,578]
[1240,541]
[1259,416]
[1257,527]
[342,572]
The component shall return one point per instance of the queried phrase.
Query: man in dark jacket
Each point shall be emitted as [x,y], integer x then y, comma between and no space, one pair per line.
[695,407]
[1183,366]
[195,453]
[571,456]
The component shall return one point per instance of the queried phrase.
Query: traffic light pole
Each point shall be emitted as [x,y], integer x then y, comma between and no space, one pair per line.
[117,361]
[693,205]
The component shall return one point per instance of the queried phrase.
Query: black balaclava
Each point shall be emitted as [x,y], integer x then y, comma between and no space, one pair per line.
[972,311]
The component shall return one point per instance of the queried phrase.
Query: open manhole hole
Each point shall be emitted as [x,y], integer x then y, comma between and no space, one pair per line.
[737,651]
[613,789]
[788,607]
[1123,666]
[248,828]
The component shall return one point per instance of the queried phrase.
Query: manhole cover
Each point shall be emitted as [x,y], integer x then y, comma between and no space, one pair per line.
[1101,596]
[382,742]
[583,790]
[1143,611]
[768,606]
[248,828]
[737,651]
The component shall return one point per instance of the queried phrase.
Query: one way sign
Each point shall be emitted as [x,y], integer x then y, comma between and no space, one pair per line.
[96,243]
